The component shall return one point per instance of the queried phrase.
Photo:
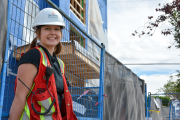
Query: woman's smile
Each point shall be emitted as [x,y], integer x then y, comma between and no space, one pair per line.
[51,38]
[50,35]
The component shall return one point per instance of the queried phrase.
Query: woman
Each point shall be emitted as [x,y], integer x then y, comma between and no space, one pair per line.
[41,92]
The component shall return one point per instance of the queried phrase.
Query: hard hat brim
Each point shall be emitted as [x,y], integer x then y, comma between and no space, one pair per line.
[40,24]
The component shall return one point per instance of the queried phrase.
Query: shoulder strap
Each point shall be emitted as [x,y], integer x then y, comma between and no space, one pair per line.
[45,62]
[61,63]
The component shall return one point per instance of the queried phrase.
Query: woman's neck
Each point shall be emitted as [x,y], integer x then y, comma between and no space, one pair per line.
[49,48]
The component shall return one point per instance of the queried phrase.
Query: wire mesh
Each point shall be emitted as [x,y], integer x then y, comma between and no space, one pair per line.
[82,62]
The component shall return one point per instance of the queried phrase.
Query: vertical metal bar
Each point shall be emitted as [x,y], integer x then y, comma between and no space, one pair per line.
[4,70]
[146,111]
[149,104]
[101,83]
[173,113]
[170,110]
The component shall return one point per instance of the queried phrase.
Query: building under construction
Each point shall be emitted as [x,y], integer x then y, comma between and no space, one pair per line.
[102,88]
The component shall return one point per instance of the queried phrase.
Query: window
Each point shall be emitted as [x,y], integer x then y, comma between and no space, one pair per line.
[78,7]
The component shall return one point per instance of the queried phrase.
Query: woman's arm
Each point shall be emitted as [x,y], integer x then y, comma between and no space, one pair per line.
[27,73]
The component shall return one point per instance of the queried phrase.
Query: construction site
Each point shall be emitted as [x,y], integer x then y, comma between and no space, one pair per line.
[102,88]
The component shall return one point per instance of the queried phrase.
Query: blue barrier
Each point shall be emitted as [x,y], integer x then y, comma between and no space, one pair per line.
[20,33]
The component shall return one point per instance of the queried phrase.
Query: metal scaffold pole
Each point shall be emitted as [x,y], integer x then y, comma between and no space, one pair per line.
[146,110]
[149,104]
[101,90]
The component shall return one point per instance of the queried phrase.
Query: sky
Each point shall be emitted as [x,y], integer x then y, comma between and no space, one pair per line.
[126,16]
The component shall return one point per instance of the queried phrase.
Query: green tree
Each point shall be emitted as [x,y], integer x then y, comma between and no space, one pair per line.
[165,100]
[172,87]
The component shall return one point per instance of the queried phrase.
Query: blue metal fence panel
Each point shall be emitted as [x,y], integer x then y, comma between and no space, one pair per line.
[4,69]
[146,112]
[81,65]
[174,111]
[149,103]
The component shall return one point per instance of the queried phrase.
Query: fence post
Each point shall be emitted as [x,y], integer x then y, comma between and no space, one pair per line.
[146,111]
[101,83]
[174,115]
[149,103]
[4,69]
[170,110]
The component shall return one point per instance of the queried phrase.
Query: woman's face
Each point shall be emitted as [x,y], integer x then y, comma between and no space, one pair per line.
[50,35]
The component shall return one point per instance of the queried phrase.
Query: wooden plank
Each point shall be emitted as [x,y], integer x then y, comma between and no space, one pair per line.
[75,64]
[84,65]
[85,76]
[81,67]
[84,12]
[79,4]
[78,59]
[76,12]
[89,63]
[92,66]
[83,70]
[90,74]
[81,10]
[84,42]
[83,57]
[74,7]
[72,2]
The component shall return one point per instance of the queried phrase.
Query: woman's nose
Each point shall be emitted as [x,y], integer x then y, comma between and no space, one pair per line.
[52,31]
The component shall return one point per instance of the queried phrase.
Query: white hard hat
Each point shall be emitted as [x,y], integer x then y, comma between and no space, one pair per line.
[48,16]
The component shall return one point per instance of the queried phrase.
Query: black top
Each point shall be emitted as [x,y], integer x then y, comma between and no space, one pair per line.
[33,56]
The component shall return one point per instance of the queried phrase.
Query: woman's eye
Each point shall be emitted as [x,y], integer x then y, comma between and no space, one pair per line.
[46,28]
[57,29]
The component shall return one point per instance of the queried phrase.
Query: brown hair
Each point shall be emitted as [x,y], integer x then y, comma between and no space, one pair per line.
[58,47]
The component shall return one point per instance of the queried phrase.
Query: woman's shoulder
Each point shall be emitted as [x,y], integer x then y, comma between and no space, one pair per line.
[31,56]
[32,53]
